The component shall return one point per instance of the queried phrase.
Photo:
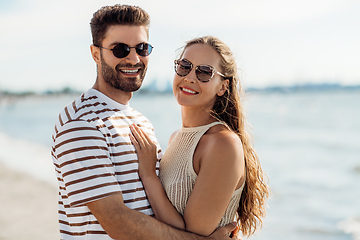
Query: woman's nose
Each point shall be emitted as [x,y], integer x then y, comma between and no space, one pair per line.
[191,77]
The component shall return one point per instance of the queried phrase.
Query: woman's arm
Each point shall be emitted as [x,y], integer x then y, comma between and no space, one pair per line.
[221,166]
[146,151]
[221,169]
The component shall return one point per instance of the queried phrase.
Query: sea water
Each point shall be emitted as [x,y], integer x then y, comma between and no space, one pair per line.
[308,144]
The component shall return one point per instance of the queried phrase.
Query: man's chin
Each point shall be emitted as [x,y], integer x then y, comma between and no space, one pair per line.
[129,87]
[134,89]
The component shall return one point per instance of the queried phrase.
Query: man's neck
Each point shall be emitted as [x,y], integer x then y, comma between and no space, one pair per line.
[115,94]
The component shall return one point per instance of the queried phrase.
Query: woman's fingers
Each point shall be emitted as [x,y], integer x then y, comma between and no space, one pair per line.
[146,151]
[134,142]
[144,135]
[146,138]
[137,135]
[142,139]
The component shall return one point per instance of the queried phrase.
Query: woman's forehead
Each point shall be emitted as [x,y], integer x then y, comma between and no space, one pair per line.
[200,54]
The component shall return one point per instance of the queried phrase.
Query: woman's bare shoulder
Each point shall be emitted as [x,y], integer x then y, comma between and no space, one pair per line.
[221,151]
[223,137]
[220,141]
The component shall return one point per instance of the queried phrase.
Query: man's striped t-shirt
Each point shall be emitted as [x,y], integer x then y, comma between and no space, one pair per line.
[94,158]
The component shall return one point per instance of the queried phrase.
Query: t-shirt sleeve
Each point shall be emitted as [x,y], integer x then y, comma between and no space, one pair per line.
[83,163]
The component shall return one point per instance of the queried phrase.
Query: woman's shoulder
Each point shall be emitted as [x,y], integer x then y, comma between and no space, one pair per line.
[222,136]
[221,148]
[220,139]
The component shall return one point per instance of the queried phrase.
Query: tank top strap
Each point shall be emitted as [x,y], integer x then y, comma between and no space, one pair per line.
[199,129]
[213,124]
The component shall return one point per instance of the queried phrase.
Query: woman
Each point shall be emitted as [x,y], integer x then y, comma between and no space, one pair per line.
[209,171]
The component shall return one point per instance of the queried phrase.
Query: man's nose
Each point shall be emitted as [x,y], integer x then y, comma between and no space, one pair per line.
[133,58]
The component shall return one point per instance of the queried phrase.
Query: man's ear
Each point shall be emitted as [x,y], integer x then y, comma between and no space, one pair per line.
[95,53]
[224,87]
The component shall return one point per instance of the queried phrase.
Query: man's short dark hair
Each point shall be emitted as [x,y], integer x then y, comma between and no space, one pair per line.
[118,14]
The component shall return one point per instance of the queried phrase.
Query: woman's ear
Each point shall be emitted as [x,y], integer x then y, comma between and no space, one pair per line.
[224,86]
[95,53]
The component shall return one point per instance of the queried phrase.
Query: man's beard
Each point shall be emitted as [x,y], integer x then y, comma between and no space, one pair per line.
[118,81]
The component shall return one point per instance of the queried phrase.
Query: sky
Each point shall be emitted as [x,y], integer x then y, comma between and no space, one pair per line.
[45,44]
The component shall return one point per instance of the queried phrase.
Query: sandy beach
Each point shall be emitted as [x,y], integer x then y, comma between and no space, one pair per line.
[28,191]
[28,208]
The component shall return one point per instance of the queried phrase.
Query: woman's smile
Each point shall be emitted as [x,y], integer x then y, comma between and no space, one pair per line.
[188,91]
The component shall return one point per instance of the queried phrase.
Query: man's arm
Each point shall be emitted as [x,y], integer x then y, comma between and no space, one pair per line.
[121,222]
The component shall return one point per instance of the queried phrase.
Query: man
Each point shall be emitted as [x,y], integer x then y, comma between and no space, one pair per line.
[100,193]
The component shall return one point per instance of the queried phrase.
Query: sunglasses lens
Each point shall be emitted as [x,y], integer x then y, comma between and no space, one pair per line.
[121,50]
[144,49]
[182,67]
[204,73]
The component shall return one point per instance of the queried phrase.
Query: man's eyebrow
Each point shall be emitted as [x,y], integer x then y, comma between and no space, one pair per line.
[115,43]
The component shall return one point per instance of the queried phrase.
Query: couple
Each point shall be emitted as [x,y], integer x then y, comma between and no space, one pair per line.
[106,156]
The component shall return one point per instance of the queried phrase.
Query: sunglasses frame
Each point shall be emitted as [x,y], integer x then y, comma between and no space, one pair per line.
[213,70]
[136,49]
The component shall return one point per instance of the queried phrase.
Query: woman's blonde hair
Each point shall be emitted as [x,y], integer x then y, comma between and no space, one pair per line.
[228,109]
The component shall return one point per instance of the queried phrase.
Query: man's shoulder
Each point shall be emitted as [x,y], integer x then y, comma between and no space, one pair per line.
[83,107]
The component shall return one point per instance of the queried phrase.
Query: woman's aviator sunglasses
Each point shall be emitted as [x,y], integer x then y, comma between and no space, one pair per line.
[121,50]
[203,72]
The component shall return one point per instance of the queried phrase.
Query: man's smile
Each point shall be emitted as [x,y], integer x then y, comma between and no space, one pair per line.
[130,71]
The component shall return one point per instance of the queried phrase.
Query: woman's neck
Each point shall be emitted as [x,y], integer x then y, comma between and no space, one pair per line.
[194,117]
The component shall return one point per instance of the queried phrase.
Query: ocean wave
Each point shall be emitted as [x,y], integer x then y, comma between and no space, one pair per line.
[351,226]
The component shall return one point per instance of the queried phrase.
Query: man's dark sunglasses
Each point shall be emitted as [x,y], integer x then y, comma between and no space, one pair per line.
[121,50]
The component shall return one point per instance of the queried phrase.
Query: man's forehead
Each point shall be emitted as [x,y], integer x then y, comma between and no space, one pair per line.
[128,34]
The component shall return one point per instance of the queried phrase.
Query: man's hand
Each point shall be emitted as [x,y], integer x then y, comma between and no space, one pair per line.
[235,233]
[224,232]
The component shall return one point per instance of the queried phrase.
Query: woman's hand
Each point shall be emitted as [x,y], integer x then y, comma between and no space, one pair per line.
[145,150]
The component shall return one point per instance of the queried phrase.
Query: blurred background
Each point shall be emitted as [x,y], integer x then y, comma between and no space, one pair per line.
[45,44]
[299,63]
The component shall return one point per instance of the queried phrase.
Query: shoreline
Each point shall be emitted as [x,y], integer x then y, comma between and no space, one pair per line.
[31,158]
